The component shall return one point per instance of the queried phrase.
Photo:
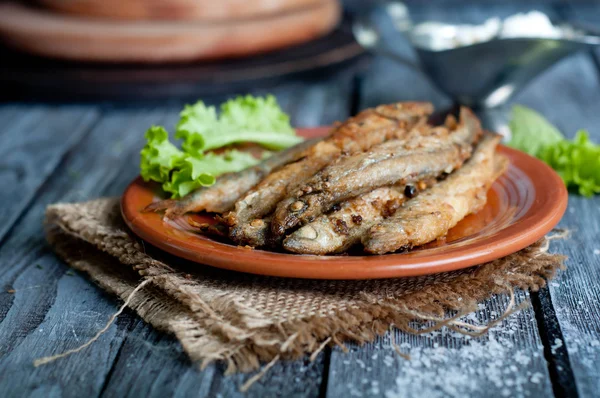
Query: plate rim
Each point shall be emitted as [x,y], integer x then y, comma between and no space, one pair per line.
[235,258]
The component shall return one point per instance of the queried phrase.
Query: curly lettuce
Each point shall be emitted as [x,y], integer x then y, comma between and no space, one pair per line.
[194,165]
[243,119]
[577,161]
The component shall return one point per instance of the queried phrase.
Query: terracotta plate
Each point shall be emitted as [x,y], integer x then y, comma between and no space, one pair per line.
[523,205]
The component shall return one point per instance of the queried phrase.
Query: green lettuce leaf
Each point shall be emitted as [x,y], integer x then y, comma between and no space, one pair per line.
[243,119]
[577,161]
[531,131]
[159,156]
[193,172]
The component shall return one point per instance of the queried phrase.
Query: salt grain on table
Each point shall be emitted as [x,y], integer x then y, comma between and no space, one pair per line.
[557,344]
[439,371]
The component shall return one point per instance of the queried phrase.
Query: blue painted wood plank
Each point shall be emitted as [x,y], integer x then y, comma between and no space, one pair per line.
[43,309]
[102,164]
[508,361]
[33,145]
[569,96]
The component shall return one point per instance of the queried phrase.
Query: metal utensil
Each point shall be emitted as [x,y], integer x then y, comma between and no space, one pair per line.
[485,74]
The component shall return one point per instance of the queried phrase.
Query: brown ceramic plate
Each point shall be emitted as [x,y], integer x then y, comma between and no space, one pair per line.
[523,205]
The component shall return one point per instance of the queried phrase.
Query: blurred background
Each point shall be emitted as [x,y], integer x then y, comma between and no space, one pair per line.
[99,50]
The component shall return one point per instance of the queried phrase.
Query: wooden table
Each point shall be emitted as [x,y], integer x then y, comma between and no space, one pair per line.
[74,152]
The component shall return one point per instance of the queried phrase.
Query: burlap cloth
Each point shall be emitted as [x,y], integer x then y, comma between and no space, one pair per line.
[245,319]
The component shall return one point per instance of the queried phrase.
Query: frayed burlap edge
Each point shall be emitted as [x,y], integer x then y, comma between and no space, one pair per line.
[212,325]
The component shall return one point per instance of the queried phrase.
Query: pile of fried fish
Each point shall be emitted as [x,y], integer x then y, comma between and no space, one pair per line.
[385,179]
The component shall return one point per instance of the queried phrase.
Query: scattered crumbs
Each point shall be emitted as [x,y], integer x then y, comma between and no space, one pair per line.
[39,266]
[580,302]
[595,343]
[557,344]
[596,251]
[537,378]
[571,210]
[297,379]
[493,364]
[70,273]
[11,291]
[360,363]
[459,299]
[472,317]
[405,345]
[374,356]
[388,360]
[346,362]
[493,314]
[522,358]
[353,390]
[369,368]
[481,306]
[374,390]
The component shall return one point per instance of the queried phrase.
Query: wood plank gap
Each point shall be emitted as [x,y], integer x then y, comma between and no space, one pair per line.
[325,380]
[215,382]
[31,198]
[555,352]
[133,320]
[355,94]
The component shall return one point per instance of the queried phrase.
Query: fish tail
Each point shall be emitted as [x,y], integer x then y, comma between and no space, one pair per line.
[171,207]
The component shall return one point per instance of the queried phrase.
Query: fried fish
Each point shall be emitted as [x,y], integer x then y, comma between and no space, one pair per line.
[228,188]
[419,156]
[368,128]
[435,211]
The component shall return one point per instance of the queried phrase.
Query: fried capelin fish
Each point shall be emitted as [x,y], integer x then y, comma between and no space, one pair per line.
[228,188]
[435,211]
[419,156]
[339,230]
[368,128]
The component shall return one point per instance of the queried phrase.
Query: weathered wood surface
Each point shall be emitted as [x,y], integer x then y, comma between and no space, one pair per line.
[34,140]
[45,310]
[575,294]
[63,153]
[509,361]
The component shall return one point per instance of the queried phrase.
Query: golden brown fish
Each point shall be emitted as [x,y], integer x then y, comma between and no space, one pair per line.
[339,230]
[368,128]
[228,188]
[419,156]
[435,211]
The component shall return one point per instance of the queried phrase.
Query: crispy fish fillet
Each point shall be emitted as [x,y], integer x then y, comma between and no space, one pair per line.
[368,128]
[339,230]
[228,188]
[417,157]
[435,211]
